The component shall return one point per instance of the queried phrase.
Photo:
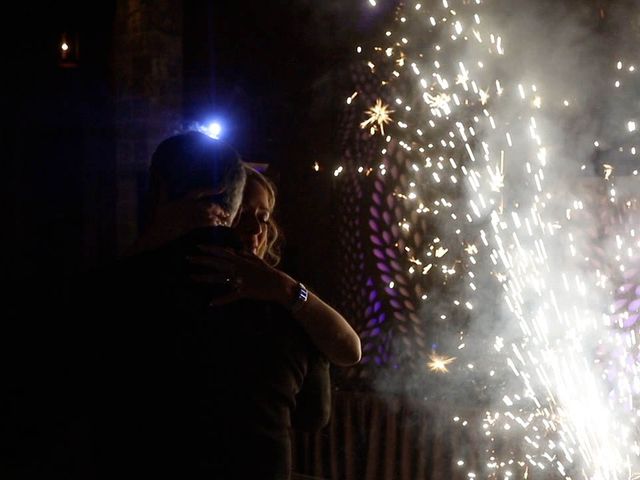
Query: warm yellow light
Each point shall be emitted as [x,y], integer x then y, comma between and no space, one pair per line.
[438,363]
[379,116]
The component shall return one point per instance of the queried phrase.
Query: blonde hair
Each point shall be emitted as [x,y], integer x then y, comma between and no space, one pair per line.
[272,249]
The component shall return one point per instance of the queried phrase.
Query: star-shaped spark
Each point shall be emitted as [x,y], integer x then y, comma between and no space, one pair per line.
[438,363]
[379,116]
[501,277]
[484,96]
[471,249]
[463,79]
[439,102]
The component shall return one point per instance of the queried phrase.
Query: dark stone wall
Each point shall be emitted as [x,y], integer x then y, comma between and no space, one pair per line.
[147,71]
[56,134]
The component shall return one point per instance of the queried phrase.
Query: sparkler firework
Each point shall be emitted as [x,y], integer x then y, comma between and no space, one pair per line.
[497,220]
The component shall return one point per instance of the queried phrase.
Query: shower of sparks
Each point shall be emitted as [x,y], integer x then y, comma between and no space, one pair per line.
[571,404]
[438,363]
[379,116]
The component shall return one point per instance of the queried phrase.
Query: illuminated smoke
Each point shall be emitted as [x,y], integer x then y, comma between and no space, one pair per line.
[493,108]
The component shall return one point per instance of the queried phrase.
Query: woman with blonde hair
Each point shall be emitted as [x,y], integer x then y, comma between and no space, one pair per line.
[254,275]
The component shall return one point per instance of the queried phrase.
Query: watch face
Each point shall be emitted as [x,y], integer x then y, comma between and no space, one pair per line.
[302,293]
[301,298]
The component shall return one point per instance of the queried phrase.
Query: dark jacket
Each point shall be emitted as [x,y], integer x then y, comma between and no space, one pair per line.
[177,387]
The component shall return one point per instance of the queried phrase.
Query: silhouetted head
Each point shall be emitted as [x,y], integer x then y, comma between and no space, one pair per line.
[192,161]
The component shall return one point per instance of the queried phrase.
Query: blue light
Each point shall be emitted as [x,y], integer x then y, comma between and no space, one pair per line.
[214,129]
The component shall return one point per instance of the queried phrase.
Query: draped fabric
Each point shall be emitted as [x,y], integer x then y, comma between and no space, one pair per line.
[388,437]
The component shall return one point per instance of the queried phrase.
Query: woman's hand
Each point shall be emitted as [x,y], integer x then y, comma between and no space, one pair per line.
[255,279]
[250,276]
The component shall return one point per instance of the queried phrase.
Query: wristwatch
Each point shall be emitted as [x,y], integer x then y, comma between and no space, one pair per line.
[302,295]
